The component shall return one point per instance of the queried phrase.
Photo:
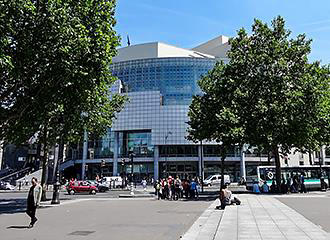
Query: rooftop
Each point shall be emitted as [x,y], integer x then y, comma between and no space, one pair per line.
[215,48]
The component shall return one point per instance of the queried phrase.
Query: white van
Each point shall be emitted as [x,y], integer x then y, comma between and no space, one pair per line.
[216,179]
[114,181]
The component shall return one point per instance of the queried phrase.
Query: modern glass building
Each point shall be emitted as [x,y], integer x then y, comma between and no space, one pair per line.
[159,80]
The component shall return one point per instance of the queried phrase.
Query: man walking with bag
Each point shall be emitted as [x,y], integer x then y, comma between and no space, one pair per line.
[33,200]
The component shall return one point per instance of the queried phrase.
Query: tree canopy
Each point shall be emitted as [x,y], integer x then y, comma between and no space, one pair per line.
[54,63]
[54,60]
[268,95]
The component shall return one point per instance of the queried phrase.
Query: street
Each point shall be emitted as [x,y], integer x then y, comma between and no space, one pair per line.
[106,218]
[314,207]
[11,202]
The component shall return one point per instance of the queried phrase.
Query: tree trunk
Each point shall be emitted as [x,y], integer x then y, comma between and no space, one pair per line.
[268,158]
[278,168]
[223,157]
[44,175]
[310,157]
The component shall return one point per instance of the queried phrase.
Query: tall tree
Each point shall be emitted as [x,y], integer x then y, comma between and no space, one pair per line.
[275,87]
[54,63]
[212,116]
[268,91]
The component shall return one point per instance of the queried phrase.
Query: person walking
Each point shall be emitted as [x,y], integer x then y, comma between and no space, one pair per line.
[157,188]
[302,183]
[33,200]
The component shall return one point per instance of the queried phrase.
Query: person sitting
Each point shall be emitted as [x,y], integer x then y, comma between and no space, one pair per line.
[226,198]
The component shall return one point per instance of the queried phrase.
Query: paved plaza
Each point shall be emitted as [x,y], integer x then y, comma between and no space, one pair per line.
[105,216]
[261,217]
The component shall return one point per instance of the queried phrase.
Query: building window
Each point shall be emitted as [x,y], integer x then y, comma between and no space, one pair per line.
[138,142]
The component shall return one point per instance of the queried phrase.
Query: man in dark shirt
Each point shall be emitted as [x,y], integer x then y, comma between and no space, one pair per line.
[33,200]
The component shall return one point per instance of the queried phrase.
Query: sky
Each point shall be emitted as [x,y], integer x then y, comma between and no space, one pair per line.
[188,23]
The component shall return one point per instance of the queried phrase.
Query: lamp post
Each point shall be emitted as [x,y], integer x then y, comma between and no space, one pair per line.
[202,166]
[131,156]
[321,171]
[166,137]
[85,148]
[123,173]
[57,184]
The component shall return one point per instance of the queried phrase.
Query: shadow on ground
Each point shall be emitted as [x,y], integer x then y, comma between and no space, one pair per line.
[18,227]
[12,205]
[16,205]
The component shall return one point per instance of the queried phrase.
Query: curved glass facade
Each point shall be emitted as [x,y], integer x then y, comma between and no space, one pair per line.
[175,78]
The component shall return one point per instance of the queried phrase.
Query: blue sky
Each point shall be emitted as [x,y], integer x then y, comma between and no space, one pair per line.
[187,23]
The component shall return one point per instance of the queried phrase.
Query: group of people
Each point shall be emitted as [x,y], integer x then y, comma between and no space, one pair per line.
[294,185]
[174,188]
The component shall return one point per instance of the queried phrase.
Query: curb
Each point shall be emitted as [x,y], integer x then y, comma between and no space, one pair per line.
[205,227]
[136,196]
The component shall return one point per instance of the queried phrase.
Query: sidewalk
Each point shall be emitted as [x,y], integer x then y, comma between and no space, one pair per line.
[258,217]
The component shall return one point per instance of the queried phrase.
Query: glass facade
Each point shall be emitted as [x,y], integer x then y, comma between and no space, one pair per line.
[175,78]
[178,151]
[155,117]
[137,142]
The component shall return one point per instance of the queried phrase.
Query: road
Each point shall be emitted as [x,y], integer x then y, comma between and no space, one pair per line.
[106,218]
[314,207]
[13,202]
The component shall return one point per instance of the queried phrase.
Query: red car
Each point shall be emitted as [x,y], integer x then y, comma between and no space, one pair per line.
[81,187]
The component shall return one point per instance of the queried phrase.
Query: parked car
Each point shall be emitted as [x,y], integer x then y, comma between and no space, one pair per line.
[114,181]
[101,187]
[216,179]
[6,186]
[81,187]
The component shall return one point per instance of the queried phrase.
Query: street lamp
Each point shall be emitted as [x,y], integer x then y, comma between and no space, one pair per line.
[131,156]
[202,166]
[123,173]
[85,147]
[57,184]
[321,171]
[166,137]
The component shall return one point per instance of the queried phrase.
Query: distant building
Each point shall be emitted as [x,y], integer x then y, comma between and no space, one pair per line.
[160,80]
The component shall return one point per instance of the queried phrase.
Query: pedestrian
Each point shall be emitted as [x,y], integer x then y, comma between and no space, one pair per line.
[273,187]
[157,187]
[177,184]
[284,187]
[166,190]
[193,188]
[33,200]
[295,184]
[256,188]
[144,184]
[288,184]
[302,183]
[226,198]
[265,188]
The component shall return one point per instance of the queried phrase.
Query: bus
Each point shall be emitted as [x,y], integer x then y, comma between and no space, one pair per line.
[312,175]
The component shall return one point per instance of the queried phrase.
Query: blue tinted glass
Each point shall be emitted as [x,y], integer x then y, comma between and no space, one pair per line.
[175,78]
